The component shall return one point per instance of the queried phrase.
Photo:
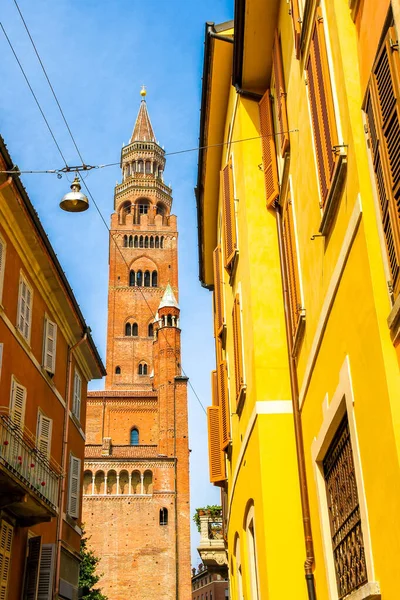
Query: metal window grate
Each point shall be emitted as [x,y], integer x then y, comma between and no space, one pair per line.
[344,513]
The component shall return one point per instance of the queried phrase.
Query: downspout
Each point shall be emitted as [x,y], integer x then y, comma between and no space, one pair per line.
[64,457]
[176,502]
[298,430]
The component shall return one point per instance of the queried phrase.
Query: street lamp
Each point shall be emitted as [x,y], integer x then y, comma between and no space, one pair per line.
[75,201]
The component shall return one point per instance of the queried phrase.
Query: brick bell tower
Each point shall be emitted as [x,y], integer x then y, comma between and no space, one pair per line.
[136,472]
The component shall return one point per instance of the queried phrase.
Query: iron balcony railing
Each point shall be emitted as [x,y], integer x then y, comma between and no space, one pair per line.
[21,457]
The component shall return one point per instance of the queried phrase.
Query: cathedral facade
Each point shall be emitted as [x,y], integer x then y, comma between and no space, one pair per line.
[136,479]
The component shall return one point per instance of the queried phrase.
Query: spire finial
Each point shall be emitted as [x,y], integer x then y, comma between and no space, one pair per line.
[143,92]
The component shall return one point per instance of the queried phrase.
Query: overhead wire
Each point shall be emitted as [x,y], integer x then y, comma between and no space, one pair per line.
[67,169]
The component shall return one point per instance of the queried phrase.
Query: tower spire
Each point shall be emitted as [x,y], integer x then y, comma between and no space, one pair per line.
[143,130]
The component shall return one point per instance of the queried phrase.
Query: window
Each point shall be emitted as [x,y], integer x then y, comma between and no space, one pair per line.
[2,264]
[150,331]
[131,278]
[237,347]
[252,553]
[154,279]
[223,402]
[24,308]
[130,241]
[344,512]
[17,403]
[238,562]
[147,279]
[135,330]
[228,211]
[280,96]
[270,167]
[216,456]
[49,346]
[218,297]
[31,566]
[321,106]
[296,21]
[142,369]
[139,278]
[146,242]
[74,486]
[382,106]
[6,537]
[134,437]
[143,209]
[162,242]
[125,241]
[43,434]
[118,370]
[136,242]
[46,571]
[151,242]
[128,329]
[157,241]
[76,404]
[163,516]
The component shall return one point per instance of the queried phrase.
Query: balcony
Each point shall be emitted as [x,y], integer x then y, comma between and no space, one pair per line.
[212,546]
[29,481]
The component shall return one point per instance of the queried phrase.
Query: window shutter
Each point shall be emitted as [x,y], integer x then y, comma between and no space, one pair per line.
[32,568]
[237,345]
[295,12]
[268,149]
[322,110]
[280,93]
[49,350]
[215,454]
[18,401]
[214,388]
[46,572]
[24,308]
[44,434]
[6,536]
[228,209]
[292,265]
[77,395]
[218,298]
[224,404]
[2,264]
[74,486]
[383,114]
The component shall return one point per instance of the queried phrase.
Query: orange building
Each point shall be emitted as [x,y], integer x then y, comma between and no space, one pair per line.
[47,356]
[136,481]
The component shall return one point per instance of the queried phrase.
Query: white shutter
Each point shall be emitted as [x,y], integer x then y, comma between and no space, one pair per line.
[6,536]
[49,346]
[77,395]
[2,264]
[74,486]
[44,430]
[24,308]
[46,572]
[18,401]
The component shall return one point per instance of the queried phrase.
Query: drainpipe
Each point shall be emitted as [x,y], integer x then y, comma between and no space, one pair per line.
[298,430]
[68,387]
[176,502]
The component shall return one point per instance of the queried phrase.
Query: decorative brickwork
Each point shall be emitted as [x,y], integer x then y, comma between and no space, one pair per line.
[136,479]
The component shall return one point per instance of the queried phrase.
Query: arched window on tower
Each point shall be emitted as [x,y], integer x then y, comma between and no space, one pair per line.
[142,370]
[118,370]
[169,321]
[132,278]
[134,437]
[136,242]
[128,329]
[147,279]
[161,209]
[148,167]
[125,241]
[150,331]
[162,242]
[157,242]
[151,242]
[140,166]
[141,242]
[135,330]
[163,516]
[146,242]
[130,242]
[154,279]
[139,278]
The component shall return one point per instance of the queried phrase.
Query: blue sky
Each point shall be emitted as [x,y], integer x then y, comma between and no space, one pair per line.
[97,55]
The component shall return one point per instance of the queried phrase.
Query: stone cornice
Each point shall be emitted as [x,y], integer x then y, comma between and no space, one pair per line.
[123,464]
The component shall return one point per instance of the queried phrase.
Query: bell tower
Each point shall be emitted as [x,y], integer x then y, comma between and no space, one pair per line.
[136,474]
[143,257]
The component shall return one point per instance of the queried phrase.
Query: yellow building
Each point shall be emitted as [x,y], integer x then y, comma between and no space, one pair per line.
[299,238]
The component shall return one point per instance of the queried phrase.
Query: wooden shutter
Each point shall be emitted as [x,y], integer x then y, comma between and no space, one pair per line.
[268,149]
[228,210]
[74,486]
[2,263]
[24,308]
[46,572]
[215,454]
[77,395]
[292,265]
[49,347]
[17,405]
[383,114]
[44,430]
[280,96]
[223,400]
[6,537]
[237,345]
[218,297]
[322,109]
[32,568]
[214,389]
[295,12]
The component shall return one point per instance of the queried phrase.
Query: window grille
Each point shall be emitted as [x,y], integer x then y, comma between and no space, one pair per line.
[344,513]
